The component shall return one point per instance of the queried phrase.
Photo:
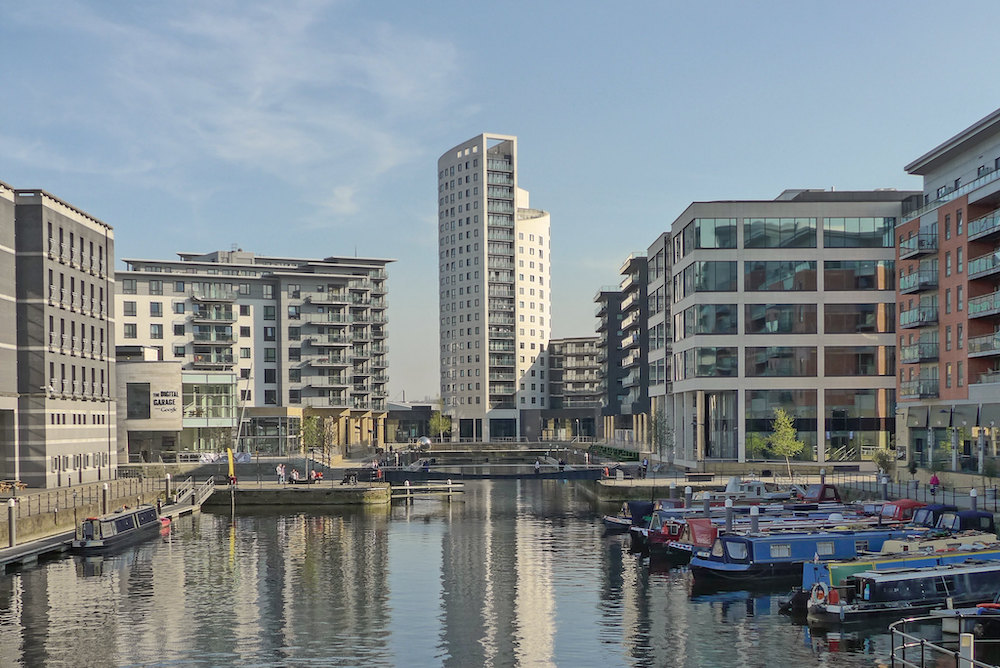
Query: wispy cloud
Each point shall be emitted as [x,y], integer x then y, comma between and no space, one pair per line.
[288,91]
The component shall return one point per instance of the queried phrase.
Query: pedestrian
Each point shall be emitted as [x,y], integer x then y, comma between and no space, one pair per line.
[934,482]
[645,466]
[278,472]
[538,467]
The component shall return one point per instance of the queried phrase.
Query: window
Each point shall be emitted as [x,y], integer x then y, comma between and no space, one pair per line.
[270,375]
[244,373]
[128,286]
[268,291]
[947,263]
[960,298]
[244,353]
[781,550]
[156,287]
[156,331]
[245,395]
[129,330]
[178,351]
[947,227]
[961,336]
[156,309]
[128,308]
[179,330]
[960,374]
[958,223]
[270,354]
[179,308]
[269,333]
[947,338]
[824,548]
[858,232]
[295,375]
[244,332]
[270,397]
[244,289]
[244,309]
[947,300]
[294,354]
[294,333]
[268,313]
[295,396]
[779,232]
[782,276]
[137,401]
[959,264]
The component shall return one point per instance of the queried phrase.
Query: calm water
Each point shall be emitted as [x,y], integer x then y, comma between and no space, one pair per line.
[518,573]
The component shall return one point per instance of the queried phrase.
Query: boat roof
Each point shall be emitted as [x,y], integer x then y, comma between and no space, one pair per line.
[905,503]
[897,574]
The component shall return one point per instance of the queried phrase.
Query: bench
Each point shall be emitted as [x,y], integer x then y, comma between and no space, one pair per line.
[699,477]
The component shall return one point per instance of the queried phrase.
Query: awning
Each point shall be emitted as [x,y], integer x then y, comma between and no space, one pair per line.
[916,416]
[965,415]
[939,416]
[989,415]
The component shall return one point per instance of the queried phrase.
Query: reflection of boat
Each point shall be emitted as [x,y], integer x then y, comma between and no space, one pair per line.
[122,527]
[903,592]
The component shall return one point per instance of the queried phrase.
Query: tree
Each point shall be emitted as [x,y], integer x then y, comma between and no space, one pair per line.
[783,440]
[912,468]
[884,459]
[659,433]
[312,431]
[756,446]
[440,424]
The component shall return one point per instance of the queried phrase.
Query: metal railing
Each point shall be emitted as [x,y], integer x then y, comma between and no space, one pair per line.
[911,650]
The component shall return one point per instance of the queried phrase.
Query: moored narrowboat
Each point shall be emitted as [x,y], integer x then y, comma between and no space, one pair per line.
[118,529]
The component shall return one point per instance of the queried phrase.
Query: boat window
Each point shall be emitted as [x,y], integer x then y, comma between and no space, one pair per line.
[146,516]
[889,510]
[108,529]
[829,493]
[923,518]
[737,550]
[125,523]
[717,548]
[986,523]
[860,546]
[779,550]
[824,548]
[948,521]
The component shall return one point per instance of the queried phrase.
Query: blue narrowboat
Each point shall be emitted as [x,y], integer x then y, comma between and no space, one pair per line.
[779,556]
[123,527]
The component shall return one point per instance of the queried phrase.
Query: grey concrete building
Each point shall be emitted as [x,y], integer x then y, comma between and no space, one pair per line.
[660,336]
[9,463]
[609,356]
[302,335]
[494,318]
[574,389]
[65,342]
[786,303]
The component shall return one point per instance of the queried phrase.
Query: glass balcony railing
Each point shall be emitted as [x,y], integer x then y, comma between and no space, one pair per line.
[918,317]
[985,305]
[924,242]
[981,227]
[948,196]
[980,346]
[984,265]
[919,352]
[917,281]
[919,389]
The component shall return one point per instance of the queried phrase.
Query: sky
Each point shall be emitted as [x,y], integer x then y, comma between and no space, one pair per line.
[312,128]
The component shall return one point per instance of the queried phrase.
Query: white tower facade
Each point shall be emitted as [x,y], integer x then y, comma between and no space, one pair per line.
[494,291]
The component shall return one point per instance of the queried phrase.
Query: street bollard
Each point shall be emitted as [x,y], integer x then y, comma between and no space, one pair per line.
[167,486]
[673,490]
[822,476]
[11,523]
[973,499]
[687,496]
[754,519]
[105,495]
[729,515]
[885,487]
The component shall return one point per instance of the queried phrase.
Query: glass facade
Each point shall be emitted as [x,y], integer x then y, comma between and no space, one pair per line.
[781,318]
[859,275]
[709,319]
[860,360]
[781,361]
[717,276]
[779,232]
[792,275]
[721,425]
[859,318]
[708,362]
[859,232]
[858,422]
[271,435]
[709,233]
[799,404]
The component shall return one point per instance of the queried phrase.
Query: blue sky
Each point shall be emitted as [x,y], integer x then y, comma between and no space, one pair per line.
[313,127]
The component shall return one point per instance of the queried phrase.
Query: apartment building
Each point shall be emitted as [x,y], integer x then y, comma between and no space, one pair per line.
[632,423]
[609,357]
[658,327]
[300,336]
[574,394]
[949,302]
[493,251]
[57,407]
[787,303]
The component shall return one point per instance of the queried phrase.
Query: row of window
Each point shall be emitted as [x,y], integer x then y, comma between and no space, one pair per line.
[784,361]
[782,275]
[784,319]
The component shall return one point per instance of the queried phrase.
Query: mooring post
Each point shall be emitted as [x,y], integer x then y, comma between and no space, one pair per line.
[673,489]
[973,499]
[706,503]
[11,522]
[729,515]
[105,495]
[754,519]
[687,496]
[167,486]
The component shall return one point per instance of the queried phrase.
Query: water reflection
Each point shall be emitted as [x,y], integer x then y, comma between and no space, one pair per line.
[514,573]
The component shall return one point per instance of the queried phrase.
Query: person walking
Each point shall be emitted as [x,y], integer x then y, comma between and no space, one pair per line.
[934,482]
[280,473]
[538,467]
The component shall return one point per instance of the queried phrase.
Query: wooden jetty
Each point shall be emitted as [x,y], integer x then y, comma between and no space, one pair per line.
[409,492]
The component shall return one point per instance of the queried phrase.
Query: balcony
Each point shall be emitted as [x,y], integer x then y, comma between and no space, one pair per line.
[952,194]
[920,244]
[212,361]
[984,346]
[919,389]
[225,338]
[326,402]
[496,165]
[326,297]
[327,340]
[917,281]
[213,315]
[919,352]
[330,361]
[500,376]
[980,307]
[212,293]
[980,228]
[984,265]
[918,317]
[327,381]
